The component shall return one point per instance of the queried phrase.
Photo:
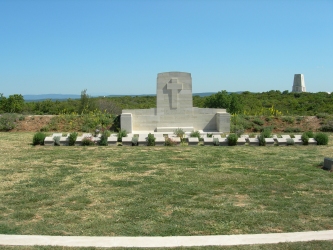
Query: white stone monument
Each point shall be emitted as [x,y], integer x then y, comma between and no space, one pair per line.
[174,110]
[299,84]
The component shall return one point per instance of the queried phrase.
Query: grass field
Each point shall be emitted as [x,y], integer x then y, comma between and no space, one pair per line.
[162,191]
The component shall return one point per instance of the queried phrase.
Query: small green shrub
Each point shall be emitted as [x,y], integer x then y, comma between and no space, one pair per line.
[290,142]
[288,119]
[150,140]
[56,140]
[309,134]
[321,138]
[195,134]
[252,135]
[258,121]
[292,130]
[72,139]
[121,134]
[209,135]
[268,119]
[104,138]
[257,128]
[322,115]
[267,132]
[261,139]
[216,142]
[232,140]
[7,122]
[135,141]
[179,133]
[38,138]
[45,128]
[21,118]
[88,141]
[299,118]
[327,127]
[305,139]
[169,142]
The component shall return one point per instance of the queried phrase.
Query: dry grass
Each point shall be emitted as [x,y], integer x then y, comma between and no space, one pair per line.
[161,191]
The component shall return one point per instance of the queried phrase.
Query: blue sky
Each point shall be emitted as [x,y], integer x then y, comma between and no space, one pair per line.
[119,46]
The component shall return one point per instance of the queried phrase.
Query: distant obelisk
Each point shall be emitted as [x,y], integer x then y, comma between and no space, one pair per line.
[299,84]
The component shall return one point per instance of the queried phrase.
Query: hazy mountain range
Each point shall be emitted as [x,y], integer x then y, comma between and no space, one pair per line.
[65,97]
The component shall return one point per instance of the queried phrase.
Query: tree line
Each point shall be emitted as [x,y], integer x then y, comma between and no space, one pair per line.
[287,103]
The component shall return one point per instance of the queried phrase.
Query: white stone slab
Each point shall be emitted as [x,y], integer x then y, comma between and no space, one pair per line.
[193,141]
[208,141]
[298,141]
[282,141]
[223,141]
[126,141]
[56,134]
[286,136]
[312,141]
[253,141]
[269,141]
[241,141]
[112,140]
[297,136]
[160,141]
[48,141]
[64,141]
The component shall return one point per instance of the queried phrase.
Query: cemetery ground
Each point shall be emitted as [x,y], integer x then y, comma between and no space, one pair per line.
[163,191]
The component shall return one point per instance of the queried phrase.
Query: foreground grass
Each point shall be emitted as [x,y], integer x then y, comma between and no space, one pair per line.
[290,246]
[162,191]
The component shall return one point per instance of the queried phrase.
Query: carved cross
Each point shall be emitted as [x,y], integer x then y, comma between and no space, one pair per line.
[174,86]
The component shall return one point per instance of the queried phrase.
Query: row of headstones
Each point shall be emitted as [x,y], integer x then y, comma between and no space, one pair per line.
[215,140]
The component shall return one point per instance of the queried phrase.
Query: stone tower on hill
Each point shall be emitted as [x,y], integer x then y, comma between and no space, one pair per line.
[299,84]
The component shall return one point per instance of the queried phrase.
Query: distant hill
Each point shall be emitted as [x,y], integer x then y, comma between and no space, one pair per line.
[50,96]
[60,97]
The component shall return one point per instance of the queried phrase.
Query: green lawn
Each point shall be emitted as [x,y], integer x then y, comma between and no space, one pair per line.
[162,191]
[317,245]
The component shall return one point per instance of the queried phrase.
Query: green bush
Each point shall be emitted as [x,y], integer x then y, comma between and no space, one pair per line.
[121,134]
[322,115]
[150,140]
[179,133]
[195,134]
[258,121]
[267,132]
[288,119]
[169,142]
[209,135]
[290,142]
[7,122]
[38,138]
[309,134]
[327,127]
[232,140]
[305,139]
[104,138]
[257,128]
[56,140]
[72,139]
[321,138]
[292,130]
[135,141]
[88,141]
[261,139]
